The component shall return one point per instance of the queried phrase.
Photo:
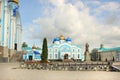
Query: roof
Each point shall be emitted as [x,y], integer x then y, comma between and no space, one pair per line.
[27,48]
[68,39]
[30,49]
[56,39]
[36,52]
[110,49]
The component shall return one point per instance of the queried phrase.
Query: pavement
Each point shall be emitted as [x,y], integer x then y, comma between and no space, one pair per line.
[11,71]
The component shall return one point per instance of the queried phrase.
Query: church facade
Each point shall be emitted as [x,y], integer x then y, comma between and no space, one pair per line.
[62,48]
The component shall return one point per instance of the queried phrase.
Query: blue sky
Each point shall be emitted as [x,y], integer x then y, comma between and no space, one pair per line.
[92,21]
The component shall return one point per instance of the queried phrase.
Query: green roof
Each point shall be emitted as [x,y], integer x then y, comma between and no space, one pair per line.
[29,48]
[110,49]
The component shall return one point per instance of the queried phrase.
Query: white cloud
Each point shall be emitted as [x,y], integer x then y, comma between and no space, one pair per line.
[75,21]
[108,6]
[58,2]
[111,6]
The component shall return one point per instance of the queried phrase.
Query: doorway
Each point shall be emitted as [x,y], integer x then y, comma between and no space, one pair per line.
[30,58]
[66,56]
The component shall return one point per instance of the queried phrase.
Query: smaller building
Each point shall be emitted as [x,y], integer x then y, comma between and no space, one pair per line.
[32,54]
[106,54]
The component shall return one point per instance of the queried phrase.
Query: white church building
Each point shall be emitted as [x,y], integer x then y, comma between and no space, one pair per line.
[63,48]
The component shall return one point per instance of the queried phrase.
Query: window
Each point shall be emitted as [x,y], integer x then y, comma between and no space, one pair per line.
[50,56]
[55,50]
[50,50]
[78,50]
[55,55]
[73,55]
[73,50]
[78,55]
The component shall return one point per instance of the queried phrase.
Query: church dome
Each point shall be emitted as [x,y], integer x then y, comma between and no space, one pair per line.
[56,39]
[68,39]
[16,1]
[62,37]
[34,47]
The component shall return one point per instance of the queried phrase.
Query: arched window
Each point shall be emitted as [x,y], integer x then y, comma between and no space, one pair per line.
[55,55]
[78,55]
[78,50]
[73,50]
[50,56]
[73,56]
[50,50]
[55,50]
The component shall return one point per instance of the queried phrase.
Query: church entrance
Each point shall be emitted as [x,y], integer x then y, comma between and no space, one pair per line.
[66,56]
[30,58]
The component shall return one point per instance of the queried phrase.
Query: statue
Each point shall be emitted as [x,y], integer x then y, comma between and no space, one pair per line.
[87,54]
[87,47]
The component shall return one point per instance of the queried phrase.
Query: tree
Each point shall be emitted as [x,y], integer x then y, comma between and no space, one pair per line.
[24,45]
[44,55]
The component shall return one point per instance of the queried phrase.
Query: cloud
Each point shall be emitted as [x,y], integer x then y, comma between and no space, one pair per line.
[74,20]
[112,20]
[108,7]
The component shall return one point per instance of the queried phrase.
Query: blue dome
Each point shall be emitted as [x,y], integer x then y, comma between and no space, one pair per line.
[68,39]
[56,39]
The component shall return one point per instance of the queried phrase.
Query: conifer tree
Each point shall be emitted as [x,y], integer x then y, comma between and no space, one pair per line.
[44,55]
[24,45]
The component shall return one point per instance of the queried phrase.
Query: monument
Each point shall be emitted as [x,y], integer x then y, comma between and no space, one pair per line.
[87,54]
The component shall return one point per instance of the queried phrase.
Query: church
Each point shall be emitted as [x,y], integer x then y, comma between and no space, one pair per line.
[63,48]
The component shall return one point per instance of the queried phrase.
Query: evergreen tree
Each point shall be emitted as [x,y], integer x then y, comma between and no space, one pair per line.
[24,45]
[44,54]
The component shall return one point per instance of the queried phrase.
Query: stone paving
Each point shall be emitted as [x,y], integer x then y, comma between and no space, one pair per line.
[11,71]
